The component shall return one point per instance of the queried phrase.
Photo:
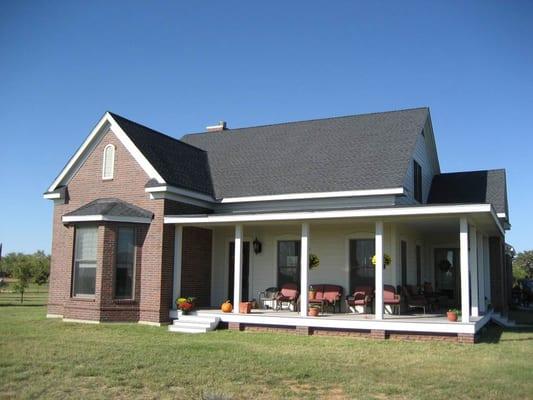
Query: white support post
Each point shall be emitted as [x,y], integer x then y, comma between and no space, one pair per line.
[465,273]
[379,271]
[474,283]
[176,277]
[237,276]
[481,273]
[486,259]
[304,270]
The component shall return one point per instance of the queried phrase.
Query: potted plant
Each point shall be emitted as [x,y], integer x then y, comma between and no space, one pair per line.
[386,260]
[453,314]
[314,261]
[313,311]
[312,293]
[245,307]
[185,304]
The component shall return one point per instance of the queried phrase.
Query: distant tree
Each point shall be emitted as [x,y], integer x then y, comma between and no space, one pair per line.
[40,267]
[38,263]
[523,265]
[22,272]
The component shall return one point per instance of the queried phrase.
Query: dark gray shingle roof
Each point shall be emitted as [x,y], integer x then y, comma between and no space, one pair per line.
[179,164]
[110,207]
[471,187]
[369,151]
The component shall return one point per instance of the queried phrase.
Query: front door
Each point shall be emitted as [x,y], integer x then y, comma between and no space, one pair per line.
[447,274]
[245,270]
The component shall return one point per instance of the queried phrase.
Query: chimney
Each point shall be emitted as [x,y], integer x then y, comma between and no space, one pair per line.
[217,128]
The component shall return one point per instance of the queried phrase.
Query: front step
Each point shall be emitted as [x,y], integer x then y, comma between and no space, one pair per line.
[194,324]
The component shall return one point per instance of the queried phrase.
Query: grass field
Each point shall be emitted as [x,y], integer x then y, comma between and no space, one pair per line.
[44,358]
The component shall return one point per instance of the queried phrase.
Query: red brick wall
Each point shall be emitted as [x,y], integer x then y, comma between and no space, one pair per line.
[196,265]
[154,258]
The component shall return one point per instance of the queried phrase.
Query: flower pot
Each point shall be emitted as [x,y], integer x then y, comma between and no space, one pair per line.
[312,295]
[245,307]
[452,316]
[313,312]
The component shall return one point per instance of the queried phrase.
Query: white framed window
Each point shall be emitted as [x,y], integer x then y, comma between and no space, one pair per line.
[109,162]
[84,279]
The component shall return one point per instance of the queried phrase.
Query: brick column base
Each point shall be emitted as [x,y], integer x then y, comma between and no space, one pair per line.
[235,326]
[304,330]
[377,334]
[468,338]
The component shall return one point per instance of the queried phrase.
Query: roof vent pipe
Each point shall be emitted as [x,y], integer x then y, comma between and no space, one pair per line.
[216,128]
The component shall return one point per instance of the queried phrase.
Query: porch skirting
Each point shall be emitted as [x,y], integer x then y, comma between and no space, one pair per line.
[397,328]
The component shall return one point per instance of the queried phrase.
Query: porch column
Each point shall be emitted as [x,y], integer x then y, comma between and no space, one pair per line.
[465,274]
[304,270]
[487,268]
[481,273]
[176,277]
[379,271]
[237,284]
[474,284]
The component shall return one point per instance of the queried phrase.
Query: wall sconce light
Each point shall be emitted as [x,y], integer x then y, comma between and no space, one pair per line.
[257,246]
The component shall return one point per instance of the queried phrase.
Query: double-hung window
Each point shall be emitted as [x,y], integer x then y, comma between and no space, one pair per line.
[84,279]
[125,263]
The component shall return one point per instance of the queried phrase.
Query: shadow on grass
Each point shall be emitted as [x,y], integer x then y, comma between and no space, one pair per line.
[493,334]
[21,305]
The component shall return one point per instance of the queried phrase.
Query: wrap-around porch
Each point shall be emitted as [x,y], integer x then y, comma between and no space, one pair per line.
[448,252]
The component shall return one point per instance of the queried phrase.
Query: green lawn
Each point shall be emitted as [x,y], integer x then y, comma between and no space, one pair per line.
[42,358]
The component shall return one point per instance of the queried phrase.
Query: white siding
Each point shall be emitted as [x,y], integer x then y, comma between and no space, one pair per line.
[425,156]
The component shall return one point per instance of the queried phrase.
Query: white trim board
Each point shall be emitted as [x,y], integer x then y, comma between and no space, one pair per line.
[110,218]
[102,127]
[315,195]
[353,213]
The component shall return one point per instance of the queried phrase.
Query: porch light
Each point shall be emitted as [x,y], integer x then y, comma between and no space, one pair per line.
[257,246]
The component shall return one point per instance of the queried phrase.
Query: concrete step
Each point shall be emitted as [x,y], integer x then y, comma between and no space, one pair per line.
[177,328]
[194,324]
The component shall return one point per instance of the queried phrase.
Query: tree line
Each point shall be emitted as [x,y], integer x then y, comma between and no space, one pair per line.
[25,269]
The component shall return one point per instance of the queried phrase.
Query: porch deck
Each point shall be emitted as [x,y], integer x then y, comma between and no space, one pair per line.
[426,323]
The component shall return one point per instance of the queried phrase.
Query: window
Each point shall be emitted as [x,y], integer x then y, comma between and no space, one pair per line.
[418,266]
[417,171]
[125,263]
[362,272]
[109,162]
[288,262]
[84,279]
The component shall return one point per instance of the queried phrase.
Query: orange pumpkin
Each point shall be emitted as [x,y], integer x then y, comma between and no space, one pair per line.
[226,306]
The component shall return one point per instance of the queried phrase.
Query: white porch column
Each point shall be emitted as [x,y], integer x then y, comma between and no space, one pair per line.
[304,270]
[176,277]
[481,273]
[465,273]
[379,271]
[237,284]
[474,283]
[486,260]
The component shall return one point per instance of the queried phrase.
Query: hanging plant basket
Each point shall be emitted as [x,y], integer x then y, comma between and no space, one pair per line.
[314,261]
[386,260]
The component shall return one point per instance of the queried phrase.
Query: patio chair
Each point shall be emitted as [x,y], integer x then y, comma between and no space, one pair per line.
[390,298]
[413,300]
[327,296]
[432,297]
[361,298]
[267,298]
[287,295]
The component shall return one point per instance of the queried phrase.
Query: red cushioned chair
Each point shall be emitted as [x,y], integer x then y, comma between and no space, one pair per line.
[362,296]
[390,298]
[288,294]
[327,296]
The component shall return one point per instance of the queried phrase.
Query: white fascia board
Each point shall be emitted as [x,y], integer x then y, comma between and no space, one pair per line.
[52,196]
[179,191]
[316,195]
[105,218]
[502,215]
[126,141]
[353,213]
[180,199]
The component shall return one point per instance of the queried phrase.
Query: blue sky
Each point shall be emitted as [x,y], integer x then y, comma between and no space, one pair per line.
[178,67]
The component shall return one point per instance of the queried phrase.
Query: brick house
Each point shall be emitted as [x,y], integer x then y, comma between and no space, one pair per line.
[141,218]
